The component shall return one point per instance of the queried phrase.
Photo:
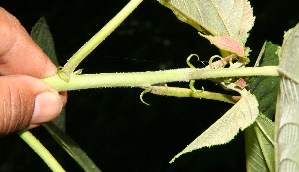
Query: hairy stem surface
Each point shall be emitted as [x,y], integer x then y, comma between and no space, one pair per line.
[146,79]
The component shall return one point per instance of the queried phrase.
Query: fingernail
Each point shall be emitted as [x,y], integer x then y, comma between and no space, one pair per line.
[47,106]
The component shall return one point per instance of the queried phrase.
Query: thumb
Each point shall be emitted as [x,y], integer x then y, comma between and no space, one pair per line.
[26,101]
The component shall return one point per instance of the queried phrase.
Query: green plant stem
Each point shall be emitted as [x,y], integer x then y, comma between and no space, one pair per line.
[89,46]
[35,144]
[146,79]
[185,92]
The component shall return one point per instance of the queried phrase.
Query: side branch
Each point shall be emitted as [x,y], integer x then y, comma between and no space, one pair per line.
[89,46]
[185,92]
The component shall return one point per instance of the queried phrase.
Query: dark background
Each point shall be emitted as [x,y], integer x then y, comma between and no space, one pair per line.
[113,126]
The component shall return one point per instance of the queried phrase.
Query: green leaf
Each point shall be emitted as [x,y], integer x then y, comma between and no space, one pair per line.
[240,116]
[265,88]
[264,128]
[259,136]
[71,148]
[287,111]
[217,17]
[259,145]
[41,34]
[288,65]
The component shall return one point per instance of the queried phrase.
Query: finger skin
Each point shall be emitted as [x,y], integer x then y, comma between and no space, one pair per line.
[17,101]
[21,56]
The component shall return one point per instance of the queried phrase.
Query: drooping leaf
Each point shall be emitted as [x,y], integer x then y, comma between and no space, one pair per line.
[260,145]
[215,17]
[240,116]
[287,109]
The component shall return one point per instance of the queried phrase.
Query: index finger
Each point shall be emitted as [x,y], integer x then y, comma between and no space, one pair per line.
[19,54]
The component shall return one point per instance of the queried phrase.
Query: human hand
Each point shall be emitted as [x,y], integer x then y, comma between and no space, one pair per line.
[25,100]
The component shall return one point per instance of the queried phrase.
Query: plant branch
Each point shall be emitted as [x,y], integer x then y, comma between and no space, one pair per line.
[89,46]
[146,79]
[32,141]
[185,92]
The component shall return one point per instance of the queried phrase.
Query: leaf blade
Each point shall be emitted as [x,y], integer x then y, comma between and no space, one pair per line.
[259,145]
[265,134]
[227,43]
[265,88]
[215,17]
[287,109]
[240,116]
[41,34]
[259,136]
[254,159]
